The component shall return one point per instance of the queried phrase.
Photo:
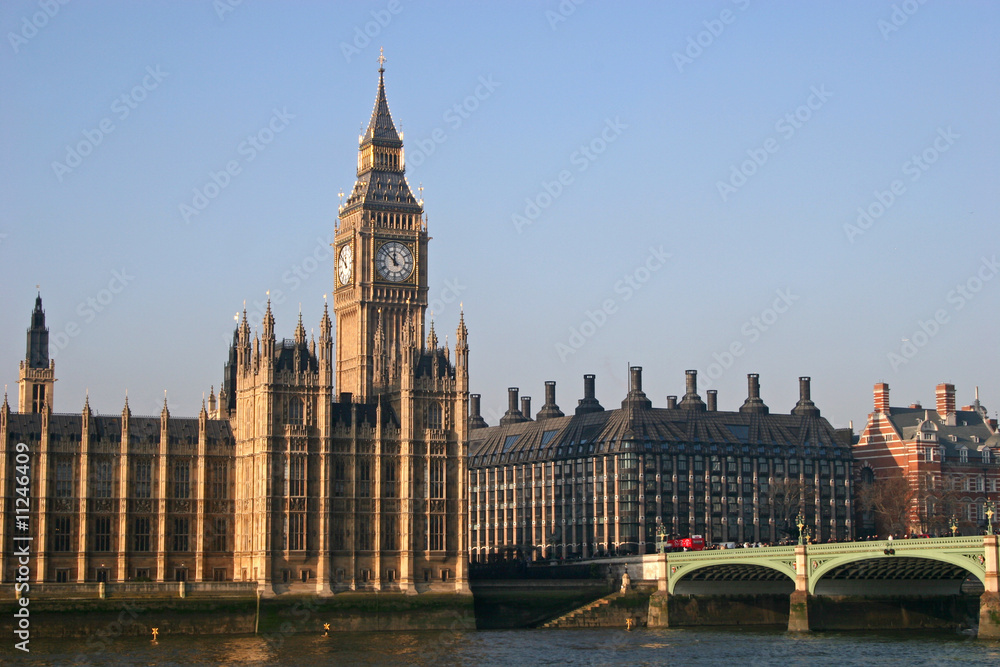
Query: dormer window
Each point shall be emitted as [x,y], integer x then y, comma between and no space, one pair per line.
[986,455]
[963,455]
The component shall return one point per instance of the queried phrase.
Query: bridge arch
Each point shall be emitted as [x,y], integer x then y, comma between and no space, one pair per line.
[749,569]
[821,567]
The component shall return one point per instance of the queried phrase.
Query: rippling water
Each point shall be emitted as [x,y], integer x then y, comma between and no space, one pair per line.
[528,647]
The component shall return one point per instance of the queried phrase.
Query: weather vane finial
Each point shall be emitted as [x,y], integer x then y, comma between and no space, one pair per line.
[381,58]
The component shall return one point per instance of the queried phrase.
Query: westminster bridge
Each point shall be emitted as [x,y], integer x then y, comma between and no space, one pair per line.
[924,567]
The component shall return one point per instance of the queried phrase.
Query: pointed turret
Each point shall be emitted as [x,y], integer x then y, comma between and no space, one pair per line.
[381,128]
[300,331]
[432,339]
[462,347]
[37,354]
[37,376]
[126,414]
[267,332]
[325,326]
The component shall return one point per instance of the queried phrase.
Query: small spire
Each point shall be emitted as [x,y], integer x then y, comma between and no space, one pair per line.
[300,330]
[432,339]
[381,59]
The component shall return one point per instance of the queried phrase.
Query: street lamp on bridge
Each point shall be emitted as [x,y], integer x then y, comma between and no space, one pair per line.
[801,523]
[990,510]
[953,524]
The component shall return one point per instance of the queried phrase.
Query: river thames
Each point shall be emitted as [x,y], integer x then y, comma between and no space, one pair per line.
[526,647]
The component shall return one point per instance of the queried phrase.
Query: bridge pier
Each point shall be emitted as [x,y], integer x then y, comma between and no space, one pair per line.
[657,615]
[798,603]
[989,603]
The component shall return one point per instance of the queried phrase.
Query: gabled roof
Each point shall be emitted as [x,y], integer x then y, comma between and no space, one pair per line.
[970,429]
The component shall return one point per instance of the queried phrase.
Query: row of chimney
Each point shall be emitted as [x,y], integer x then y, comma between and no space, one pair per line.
[944,394]
[520,410]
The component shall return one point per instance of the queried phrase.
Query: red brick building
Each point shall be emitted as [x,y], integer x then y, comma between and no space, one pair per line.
[949,456]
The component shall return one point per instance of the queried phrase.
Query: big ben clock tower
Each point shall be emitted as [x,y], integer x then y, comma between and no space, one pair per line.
[380,281]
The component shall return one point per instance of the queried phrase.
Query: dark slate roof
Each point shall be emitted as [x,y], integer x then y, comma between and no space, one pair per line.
[969,427]
[381,129]
[638,430]
[426,368]
[286,357]
[363,413]
[387,189]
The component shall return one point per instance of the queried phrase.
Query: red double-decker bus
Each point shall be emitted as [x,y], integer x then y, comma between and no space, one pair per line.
[693,543]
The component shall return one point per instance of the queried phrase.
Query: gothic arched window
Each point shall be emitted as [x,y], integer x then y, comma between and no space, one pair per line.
[434,416]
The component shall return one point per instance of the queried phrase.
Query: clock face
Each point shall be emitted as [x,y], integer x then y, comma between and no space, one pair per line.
[345,264]
[394,261]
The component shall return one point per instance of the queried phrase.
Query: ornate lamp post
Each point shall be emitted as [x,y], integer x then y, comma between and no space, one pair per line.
[801,523]
[661,538]
[990,510]
[953,524]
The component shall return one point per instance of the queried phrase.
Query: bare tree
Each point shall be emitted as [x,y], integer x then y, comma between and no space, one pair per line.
[790,496]
[889,498]
[936,504]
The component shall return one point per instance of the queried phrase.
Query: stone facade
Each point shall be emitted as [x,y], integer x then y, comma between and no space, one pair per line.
[279,480]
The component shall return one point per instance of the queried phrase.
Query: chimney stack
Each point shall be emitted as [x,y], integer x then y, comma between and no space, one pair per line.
[589,402]
[526,407]
[475,418]
[636,398]
[691,400]
[882,397]
[550,409]
[713,399]
[513,415]
[945,394]
[753,404]
[635,378]
[805,407]
[671,402]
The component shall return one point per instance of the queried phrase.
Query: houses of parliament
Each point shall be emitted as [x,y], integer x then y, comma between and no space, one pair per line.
[322,465]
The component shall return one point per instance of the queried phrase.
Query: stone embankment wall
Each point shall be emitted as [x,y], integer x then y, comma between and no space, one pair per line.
[110,618]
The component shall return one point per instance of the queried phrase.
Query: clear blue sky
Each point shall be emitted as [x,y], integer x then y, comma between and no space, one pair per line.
[739,138]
